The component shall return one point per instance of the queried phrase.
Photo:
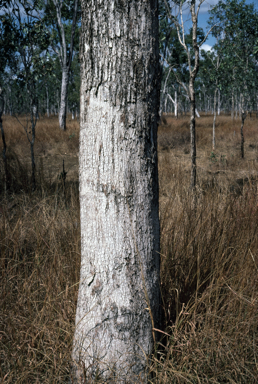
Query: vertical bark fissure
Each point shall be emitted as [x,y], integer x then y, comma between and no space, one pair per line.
[119,283]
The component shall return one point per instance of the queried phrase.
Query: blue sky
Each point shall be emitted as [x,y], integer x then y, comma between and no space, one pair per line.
[204,16]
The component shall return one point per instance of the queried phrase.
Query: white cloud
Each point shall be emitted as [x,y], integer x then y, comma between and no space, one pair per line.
[207,5]
[206,47]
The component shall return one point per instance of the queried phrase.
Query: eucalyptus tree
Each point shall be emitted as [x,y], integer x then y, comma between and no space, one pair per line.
[61,18]
[168,42]
[119,298]
[175,13]
[74,87]
[6,184]
[30,40]
[173,61]
[212,76]
[238,32]
[7,62]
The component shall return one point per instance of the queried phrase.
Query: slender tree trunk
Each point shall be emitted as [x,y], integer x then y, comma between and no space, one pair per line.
[193,74]
[63,98]
[164,97]
[6,176]
[176,105]
[242,134]
[232,106]
[243,117]
[192,134]
[219,102]
[6,179]
[34,114]
[119,300]
[47,94]
[58,100]
[65,56]
[214,121]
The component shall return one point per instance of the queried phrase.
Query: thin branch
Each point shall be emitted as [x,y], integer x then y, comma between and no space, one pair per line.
[207,34]
[198,8]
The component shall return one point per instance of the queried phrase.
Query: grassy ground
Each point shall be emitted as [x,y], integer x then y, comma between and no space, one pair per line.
[209,255]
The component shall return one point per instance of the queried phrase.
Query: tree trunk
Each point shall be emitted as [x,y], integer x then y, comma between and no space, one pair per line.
[176,103]
[243,117]
[219,102]
[193,73]
[65,55]
[6,176]
[58,100]
[63,98]
[119,298]
[34,117]
[47,94]
[214,121]
[192,134]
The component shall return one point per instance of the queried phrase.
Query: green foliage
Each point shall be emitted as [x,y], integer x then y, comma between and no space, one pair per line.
[213,157]
[236,33]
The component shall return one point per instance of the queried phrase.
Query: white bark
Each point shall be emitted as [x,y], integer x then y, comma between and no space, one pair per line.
[219,102]
[47,100]
[63,98]
[175,105]
[65,60]
[214,121]
[118,300]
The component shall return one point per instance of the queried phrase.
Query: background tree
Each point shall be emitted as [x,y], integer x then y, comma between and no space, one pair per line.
[30,40]
[238,35]
[7,63]
[62,18]
[211,75]
[119,300]
[193,59]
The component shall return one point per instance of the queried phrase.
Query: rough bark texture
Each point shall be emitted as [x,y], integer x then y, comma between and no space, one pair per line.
[119,297]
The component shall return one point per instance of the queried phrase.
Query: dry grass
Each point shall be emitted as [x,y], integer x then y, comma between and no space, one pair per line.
[209,256]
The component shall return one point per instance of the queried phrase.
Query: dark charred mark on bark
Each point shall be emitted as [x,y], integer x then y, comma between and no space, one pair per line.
[93,277]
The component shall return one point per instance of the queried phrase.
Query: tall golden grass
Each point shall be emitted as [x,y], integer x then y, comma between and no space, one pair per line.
[209,255]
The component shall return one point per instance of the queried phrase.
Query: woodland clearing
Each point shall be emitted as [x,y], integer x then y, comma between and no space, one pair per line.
[209,254]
